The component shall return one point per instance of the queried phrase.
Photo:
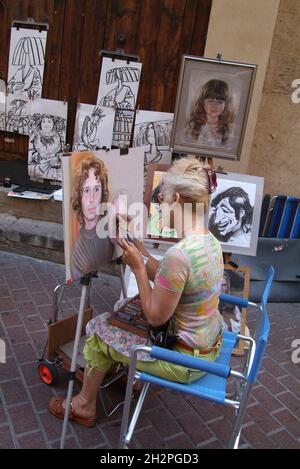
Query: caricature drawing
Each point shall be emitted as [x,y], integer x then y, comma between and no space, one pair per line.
[121,96]
[92,133]
[29,59]
[155,136]
[47,135]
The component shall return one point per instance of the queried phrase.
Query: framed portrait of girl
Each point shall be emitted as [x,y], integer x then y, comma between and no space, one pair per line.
[212,106]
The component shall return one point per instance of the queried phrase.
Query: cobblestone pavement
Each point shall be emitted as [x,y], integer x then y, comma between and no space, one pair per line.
[168,420]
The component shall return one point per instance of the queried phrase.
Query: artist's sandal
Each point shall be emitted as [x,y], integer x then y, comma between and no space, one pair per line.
[55,408]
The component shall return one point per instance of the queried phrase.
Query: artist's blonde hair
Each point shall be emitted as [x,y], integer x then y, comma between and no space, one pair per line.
[188,177]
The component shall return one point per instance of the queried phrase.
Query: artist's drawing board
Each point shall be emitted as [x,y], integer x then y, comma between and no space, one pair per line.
[125,178]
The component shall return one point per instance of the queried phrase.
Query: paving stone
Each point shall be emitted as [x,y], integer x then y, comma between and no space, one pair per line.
[195,428]
[88,437]
[4,291]
[289,422]
[17,334]
[23,418]
[168,419]
[24,352]
[41,299]
[26,308]
[52,426]
[41,394]
[7,304]
[3,418]
[257,438]
[270,382]
[285,441]
[164,422]
[14,392]
[149,439]
[6,440]
[263,418]
[70,443]
[176,404]
[30,372]
[32,441]
[20,295]
[9,370]
[11,319]
[33,323]
[291,402]
[181,441]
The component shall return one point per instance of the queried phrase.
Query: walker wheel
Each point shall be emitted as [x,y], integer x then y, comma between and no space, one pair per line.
[47,372]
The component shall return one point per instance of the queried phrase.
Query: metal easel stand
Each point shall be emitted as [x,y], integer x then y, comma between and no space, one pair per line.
[86,283]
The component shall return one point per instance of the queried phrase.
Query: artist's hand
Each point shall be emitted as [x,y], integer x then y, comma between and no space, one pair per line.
[141,247]
[131,255]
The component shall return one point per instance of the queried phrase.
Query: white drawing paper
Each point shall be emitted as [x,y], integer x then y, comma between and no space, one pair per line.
[93,127]
[18,114]
[123,126]
[47,136]
[152,130]
[26,62]
[119,83]
[2,104]
[234,212]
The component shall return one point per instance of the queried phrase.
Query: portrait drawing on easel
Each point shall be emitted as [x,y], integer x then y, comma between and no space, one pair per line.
[93,185]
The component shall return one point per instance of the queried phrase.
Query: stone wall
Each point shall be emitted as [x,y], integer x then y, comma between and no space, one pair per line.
[275,153]
[266,33]
[242,31]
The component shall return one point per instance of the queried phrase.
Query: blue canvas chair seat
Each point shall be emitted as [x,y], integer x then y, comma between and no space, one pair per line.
[212,386]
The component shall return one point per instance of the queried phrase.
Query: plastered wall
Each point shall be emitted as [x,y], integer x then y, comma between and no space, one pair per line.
[275,153]
[243,31]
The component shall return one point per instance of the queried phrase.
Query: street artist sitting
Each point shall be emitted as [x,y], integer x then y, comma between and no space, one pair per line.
[186,291]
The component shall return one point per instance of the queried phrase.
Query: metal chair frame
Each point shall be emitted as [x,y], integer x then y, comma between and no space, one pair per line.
[246,378]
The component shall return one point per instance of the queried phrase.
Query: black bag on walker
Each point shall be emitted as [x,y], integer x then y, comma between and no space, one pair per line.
[162,336]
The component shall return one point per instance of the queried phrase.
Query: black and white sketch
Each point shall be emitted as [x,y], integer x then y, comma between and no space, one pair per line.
[152,130]
[47,135]
[93,127]
[2,104]
[123,126]
[119,83]
[26,62]
[235,211]
[17,114]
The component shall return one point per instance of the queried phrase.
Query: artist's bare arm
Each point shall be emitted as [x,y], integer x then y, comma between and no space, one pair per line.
[158,303]
[152,264]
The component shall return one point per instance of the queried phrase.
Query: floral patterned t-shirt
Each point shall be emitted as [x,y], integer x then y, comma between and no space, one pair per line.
[194,268]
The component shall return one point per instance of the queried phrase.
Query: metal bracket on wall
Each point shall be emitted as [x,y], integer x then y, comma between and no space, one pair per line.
[119,54]
[30,23]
